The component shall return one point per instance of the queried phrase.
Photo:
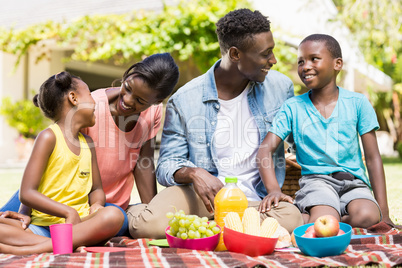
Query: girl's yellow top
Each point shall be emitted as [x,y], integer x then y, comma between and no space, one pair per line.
[67,179]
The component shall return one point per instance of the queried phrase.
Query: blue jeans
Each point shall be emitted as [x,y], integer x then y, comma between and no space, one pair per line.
[14,205]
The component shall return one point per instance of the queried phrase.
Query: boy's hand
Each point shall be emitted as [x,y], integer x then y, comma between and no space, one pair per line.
[388,221]
[25,220]
[273,198]
[94,208]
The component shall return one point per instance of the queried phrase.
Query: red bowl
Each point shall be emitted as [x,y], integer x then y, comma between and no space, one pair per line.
[207,243]
[250,245]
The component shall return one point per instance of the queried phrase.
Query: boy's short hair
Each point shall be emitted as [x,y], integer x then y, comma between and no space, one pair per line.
[330,43]
[237,28]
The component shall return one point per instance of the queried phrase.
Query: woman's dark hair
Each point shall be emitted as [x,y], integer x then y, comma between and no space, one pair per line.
[159,71]
[52,92]
[237,28]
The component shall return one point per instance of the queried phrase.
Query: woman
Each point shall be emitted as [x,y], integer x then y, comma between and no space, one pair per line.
[127,120]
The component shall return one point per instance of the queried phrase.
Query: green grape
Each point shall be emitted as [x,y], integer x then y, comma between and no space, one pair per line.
[216,229]
[182,223]
[169,215]
[212,224]
[169,232]
[191,234]
[183,236]
[192,227]
[197,223]
[205,224]
[197,234]
[192,217]
[173,232]
[203,236]
[202,229]
[204,219]
[187,223]
[209,232]
[178,235]
[182,230]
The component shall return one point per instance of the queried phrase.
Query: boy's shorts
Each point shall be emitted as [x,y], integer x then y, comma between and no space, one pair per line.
[324,190]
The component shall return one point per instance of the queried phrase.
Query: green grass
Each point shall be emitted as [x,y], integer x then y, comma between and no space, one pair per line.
[10,182]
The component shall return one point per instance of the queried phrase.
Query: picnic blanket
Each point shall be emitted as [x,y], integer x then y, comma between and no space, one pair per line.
[385,250]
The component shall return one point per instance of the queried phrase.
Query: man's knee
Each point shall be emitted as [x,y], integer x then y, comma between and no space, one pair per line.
[287,214]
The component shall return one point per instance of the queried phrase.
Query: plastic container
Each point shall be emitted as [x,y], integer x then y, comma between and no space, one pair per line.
[229,199]
[207,243]
[250,245]
[323,246]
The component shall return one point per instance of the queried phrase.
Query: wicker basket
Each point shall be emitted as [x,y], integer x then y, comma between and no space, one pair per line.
[293,174]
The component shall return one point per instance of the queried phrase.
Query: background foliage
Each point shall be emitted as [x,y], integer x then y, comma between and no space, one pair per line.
[24,116]
[377,27]
[186,30]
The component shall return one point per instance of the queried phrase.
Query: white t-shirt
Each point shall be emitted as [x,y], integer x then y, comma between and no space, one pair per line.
[236,142]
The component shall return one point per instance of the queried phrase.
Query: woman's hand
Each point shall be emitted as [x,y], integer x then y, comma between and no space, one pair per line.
[273,198]
[94,208]
[24,219]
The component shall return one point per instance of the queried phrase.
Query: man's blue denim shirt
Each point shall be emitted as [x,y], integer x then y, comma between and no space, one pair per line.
[191,118]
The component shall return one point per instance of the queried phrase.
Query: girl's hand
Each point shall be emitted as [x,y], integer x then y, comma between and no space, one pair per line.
[273,198]
[25,220]
[73,217]
[95,207]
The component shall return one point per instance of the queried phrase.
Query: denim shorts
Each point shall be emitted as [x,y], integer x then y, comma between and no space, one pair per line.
[324,190]
[40,230]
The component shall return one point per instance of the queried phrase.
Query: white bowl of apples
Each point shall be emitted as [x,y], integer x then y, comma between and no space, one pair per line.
[325,237]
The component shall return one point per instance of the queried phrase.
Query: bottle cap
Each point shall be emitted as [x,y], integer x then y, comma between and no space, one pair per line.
[231,180]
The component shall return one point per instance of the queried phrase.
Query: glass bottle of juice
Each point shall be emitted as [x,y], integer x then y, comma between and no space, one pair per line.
[229,198]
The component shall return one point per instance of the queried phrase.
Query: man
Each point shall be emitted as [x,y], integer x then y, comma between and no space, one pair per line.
[213,128]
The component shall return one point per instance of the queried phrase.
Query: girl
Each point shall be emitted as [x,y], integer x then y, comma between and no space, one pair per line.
[61,182]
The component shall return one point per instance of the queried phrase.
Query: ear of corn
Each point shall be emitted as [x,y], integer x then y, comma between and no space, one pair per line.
[233,221]
[251,221]
[268,227]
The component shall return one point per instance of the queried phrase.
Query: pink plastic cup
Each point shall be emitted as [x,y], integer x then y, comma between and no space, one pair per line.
[62,238]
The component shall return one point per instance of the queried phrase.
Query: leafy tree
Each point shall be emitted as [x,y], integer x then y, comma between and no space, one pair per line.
[377,27]
[186,30]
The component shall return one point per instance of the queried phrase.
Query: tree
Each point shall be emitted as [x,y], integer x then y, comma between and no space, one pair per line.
[377,26]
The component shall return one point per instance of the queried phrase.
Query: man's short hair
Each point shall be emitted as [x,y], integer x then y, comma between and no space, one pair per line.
[330,43]
[237,28]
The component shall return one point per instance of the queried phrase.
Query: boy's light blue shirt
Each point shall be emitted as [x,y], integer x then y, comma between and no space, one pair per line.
[325,146]
[191,117]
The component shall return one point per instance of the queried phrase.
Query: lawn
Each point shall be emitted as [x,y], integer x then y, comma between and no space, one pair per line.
[10,180]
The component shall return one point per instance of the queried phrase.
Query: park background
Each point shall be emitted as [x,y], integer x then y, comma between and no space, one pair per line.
[98,39]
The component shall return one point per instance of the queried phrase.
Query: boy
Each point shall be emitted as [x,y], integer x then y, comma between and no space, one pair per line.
[325,123]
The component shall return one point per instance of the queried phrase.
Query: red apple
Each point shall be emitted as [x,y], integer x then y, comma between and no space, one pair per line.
[310,229]
[341,232]
[326,226]
[310,235]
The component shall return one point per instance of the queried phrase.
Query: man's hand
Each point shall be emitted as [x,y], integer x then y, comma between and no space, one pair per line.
[24,219]
[206,186]
[273,198]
